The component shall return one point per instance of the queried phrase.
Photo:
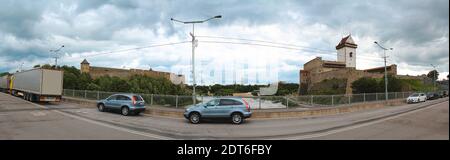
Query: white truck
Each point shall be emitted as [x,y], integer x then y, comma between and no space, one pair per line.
[38,85]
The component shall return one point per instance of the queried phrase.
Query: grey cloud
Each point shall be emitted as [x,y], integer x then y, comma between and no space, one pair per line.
[408,22]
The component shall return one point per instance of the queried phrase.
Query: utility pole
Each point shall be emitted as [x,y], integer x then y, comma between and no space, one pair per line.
[56,55]
[385,70]
[20,67]
[434,77]
[194,44]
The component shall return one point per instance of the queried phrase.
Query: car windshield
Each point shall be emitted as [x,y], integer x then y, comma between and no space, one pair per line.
[414,95]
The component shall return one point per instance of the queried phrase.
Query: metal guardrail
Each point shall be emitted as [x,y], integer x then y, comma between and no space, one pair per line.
[256,102]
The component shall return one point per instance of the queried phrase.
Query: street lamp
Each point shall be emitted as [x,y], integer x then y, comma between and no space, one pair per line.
[194,44]
[385,70]
[56,54]
[434,76]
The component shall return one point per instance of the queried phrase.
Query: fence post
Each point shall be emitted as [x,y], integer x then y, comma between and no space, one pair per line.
[376,96]
[176,101]
[259,101]
[332,100]
[364,97]
[151,100]
[349,100]
[312,100]
[73,93]
[98,95]
[85,94]
[287,102]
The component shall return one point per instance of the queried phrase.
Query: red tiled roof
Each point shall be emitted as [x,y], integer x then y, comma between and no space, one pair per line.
[343,42]
[85,62]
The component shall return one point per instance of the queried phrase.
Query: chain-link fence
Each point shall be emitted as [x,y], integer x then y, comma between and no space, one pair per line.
[255,102]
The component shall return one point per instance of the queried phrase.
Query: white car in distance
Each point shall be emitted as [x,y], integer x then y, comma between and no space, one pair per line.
[416,97]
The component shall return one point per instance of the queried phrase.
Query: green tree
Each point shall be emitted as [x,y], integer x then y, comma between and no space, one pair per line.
[394,84]
[365,85]
[434,74]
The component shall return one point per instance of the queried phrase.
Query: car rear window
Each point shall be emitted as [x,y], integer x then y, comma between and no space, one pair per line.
[124,98]
[137,98]
[225,102]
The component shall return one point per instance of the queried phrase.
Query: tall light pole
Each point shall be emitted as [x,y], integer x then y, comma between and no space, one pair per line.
[434,76]
[194,44]
[56,54]
[385,70]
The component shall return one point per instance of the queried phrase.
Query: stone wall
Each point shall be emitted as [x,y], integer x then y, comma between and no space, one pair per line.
[96,72]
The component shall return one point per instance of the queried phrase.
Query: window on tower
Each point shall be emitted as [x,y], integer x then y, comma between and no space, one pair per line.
[351,54]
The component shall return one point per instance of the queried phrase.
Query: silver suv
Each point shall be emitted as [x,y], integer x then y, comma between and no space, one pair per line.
[236,109]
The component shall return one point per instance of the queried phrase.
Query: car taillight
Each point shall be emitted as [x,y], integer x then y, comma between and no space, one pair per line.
[246,105]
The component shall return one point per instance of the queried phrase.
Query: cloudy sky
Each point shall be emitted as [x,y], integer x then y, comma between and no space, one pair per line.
[139,34]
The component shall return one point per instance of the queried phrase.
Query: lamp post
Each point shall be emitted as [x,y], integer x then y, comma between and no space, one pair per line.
[56,55]
[385,70]
[194,44]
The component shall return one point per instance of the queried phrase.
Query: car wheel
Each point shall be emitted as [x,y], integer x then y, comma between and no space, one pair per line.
[101,107]
[236,118]
[194,118]
[125,111]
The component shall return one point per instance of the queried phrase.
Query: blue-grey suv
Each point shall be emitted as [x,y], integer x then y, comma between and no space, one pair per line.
[236,109]
[125,103]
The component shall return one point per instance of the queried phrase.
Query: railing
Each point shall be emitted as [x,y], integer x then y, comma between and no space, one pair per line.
[256,102]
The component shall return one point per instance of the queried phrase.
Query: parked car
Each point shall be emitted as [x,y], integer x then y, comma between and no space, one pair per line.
[432,96]
[236,109]
[125,103]
[416,97]
[445,93]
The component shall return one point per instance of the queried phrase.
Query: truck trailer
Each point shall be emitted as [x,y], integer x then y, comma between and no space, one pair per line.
[5,83]
[38,85]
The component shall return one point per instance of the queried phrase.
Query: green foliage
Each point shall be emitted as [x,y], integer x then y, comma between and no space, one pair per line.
[434,74]
[415,85]
[373,85]
[74,79]
[228,90]
[4,73]
[329,86]
[287,89]
[365,85]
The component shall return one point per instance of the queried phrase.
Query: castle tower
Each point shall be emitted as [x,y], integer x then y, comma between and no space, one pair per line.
[84,66]
[346,51]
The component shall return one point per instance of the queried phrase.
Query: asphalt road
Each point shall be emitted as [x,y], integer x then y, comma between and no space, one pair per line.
[20,119]
[427,124]
[24,120]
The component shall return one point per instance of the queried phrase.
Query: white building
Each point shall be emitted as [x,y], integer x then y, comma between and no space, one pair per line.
[346,51]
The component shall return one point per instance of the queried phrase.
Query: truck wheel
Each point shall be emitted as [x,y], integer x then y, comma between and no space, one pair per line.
[194,118]
[236,118]
[101,107]
[125,111]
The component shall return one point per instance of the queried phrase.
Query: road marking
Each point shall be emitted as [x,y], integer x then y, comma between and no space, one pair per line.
[315,135]
[38,113]
[104,124]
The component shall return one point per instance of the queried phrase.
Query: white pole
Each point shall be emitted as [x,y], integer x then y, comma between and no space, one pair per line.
[193,63]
